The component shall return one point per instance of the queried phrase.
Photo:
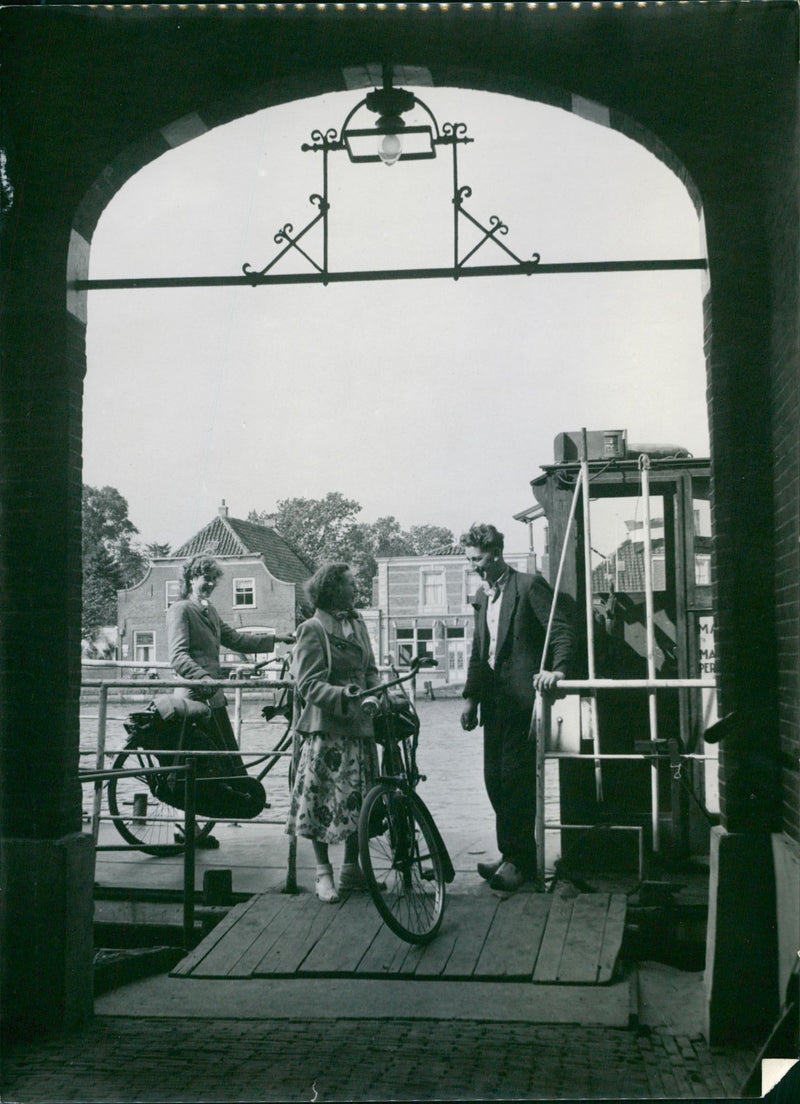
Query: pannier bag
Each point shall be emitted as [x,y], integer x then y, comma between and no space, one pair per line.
[171,725]
[395,718]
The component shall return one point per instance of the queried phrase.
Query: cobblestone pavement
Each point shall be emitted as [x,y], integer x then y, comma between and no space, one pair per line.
[142,1059]
[364,1060]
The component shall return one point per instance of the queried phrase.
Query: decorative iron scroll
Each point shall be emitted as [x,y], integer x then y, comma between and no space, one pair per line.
[331,141]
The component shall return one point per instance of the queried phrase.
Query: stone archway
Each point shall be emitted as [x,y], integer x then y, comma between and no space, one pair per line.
[87,84]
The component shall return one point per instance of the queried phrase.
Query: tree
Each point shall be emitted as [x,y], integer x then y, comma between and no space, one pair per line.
[111,560]
[155,550]
[326,529]
[365,542]
[101,581]
[430,538]
[318,527]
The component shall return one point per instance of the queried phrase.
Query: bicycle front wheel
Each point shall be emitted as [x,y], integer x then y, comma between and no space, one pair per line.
[401,860]
[139,817]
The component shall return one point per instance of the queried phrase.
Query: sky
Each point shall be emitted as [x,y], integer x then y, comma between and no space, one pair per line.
[434,401]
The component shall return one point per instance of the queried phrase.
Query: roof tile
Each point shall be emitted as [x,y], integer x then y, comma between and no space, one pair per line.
[232,537]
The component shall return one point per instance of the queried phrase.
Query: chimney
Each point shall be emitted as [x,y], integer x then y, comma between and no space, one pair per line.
[223,509]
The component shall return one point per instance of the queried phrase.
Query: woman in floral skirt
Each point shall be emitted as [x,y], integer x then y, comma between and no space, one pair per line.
[338,760]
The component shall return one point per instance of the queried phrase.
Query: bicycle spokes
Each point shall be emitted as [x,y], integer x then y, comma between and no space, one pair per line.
[402,864]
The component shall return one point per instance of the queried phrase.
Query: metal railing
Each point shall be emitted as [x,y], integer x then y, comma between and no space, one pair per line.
[103,686]
[189,772]
[653,756]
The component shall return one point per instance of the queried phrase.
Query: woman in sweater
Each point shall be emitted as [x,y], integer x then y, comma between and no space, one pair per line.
[338,760]
[195,633]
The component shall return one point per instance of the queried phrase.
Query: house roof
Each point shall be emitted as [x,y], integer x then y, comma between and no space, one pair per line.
[627,572]
[226,536]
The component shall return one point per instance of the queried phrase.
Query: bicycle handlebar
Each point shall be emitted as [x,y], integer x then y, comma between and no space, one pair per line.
[416,664]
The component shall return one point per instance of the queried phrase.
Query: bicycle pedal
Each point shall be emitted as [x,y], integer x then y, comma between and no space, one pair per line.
[428,875]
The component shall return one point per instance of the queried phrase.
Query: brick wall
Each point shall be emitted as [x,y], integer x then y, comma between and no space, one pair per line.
[143,608]
[782,229]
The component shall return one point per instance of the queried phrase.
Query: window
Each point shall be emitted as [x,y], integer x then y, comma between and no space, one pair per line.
[472,584]
[244,592]
[405,646]
[144,647]
[413,642]
[659,571]
[173,591]
[433,590]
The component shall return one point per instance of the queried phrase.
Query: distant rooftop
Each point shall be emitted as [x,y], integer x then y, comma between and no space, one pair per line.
[227,536]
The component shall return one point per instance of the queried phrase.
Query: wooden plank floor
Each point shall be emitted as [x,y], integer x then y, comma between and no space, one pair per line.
[528,937]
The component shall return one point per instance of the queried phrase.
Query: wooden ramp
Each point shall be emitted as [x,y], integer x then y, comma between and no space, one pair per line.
[528,937]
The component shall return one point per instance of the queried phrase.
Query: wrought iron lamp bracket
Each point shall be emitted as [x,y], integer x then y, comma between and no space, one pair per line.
[331,141]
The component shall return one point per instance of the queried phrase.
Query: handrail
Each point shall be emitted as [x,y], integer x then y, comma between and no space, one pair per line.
[576,685]
[188,770]
[206,684]
[543,711]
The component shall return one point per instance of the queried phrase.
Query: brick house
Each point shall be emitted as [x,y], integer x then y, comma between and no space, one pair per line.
[424,607]
[259,589]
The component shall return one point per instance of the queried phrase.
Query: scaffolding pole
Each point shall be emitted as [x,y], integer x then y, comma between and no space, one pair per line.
[644,466]
[587,567]
[540,724]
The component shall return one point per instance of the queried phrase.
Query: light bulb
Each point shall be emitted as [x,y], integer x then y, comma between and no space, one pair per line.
[390,149]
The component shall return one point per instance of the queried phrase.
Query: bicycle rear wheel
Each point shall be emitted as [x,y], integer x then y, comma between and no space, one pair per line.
[139,816]
[402,863]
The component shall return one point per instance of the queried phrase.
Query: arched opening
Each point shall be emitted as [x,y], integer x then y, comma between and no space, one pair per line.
[433,402]
[388,341]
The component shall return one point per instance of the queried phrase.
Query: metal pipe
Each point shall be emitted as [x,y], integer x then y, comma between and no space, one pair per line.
[542,704]
[543,722]
[97,799]
[565,684]
[162,684]
[644,466]
[189,825]
[578,685]
[525,268]
[587,569]
[237,715]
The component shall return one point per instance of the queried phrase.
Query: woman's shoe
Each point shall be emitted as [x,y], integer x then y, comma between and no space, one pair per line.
[324,887]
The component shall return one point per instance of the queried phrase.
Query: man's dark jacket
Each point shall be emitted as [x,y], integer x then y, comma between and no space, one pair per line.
[524,612]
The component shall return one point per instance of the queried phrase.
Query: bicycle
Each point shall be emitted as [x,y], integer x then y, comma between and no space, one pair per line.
[404,858]
[139,814]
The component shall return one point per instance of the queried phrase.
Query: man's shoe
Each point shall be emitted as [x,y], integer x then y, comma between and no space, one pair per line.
[488,870]
[508,878]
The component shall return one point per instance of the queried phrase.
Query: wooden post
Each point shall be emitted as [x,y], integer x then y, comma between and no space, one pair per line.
[587,572]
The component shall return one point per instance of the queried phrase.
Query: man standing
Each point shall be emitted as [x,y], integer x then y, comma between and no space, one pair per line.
[511,616]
